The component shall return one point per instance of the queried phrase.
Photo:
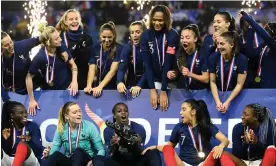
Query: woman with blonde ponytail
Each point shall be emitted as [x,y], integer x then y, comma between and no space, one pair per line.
[80,45]
[52,63]
[108,58]
[80,138]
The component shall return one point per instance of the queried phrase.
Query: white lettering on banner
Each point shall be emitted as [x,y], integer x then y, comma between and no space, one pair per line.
[216,121]
[146,126]
[162,132]
[43,128]
[231,124]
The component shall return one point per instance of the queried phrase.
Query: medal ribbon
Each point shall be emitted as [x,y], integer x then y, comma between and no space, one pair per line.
[256,41]
[51,73]
[222,72]
[101,62]
[163,49]
[194,141]
[14,135]
[134,57]
[65,39]
[259,71]
[193,65]
[70,138]
[13,80]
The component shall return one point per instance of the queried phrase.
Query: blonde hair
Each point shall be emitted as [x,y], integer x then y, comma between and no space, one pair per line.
[61,116]
[141,23]
[61,26]
[110,26]
[45,32]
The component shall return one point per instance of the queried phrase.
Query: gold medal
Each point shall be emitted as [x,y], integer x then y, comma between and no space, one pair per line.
[51,83]
[201,154]
[258,79]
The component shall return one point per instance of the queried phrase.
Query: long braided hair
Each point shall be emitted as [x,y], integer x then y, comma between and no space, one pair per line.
[264,117]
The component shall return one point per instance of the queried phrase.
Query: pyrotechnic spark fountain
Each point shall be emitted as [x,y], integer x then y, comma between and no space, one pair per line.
[35,10]
[251,5]
[140,4]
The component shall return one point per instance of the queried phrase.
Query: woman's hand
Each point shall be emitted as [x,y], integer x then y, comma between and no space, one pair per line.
[135,91]
[46,152]
[33,105]
[97,91]
[87,89]
[6,133]
[149,148]
[217,151]
[73,88]
[121,88]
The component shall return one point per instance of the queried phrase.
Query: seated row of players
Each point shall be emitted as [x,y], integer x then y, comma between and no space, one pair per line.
[253,139]
[148,60]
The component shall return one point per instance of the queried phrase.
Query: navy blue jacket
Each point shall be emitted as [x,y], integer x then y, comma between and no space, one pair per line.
[155,71]
[268,67]
[240,147]
[106,64]
[127,63]
[21,66]
[35,142]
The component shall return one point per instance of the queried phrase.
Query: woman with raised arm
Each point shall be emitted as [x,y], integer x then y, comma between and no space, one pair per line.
[266,71]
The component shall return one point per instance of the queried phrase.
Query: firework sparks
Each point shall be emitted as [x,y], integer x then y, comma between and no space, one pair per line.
[140,4]
[251,5]
[36,12]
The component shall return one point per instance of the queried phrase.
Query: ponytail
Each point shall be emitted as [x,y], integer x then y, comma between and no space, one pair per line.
[264,117]
[61,116]
[229,18]
[202,117]
[232,26]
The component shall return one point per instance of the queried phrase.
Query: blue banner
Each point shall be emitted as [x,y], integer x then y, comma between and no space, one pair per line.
[158,124]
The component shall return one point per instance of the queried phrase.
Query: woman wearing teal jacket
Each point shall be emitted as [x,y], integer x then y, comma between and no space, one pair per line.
[80,138]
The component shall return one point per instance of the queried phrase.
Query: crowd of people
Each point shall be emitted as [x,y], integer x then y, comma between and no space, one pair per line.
[156,57]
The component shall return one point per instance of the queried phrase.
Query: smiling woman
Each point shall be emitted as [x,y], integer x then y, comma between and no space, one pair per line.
[158,45]
[80,139]
[228,69]
[20,138]
[52,62]
[108,57]
[80,45]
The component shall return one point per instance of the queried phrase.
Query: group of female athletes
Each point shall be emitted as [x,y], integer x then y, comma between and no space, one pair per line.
[156,57]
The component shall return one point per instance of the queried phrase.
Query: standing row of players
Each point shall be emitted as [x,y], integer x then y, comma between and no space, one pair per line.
[253,139]
[155,58]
